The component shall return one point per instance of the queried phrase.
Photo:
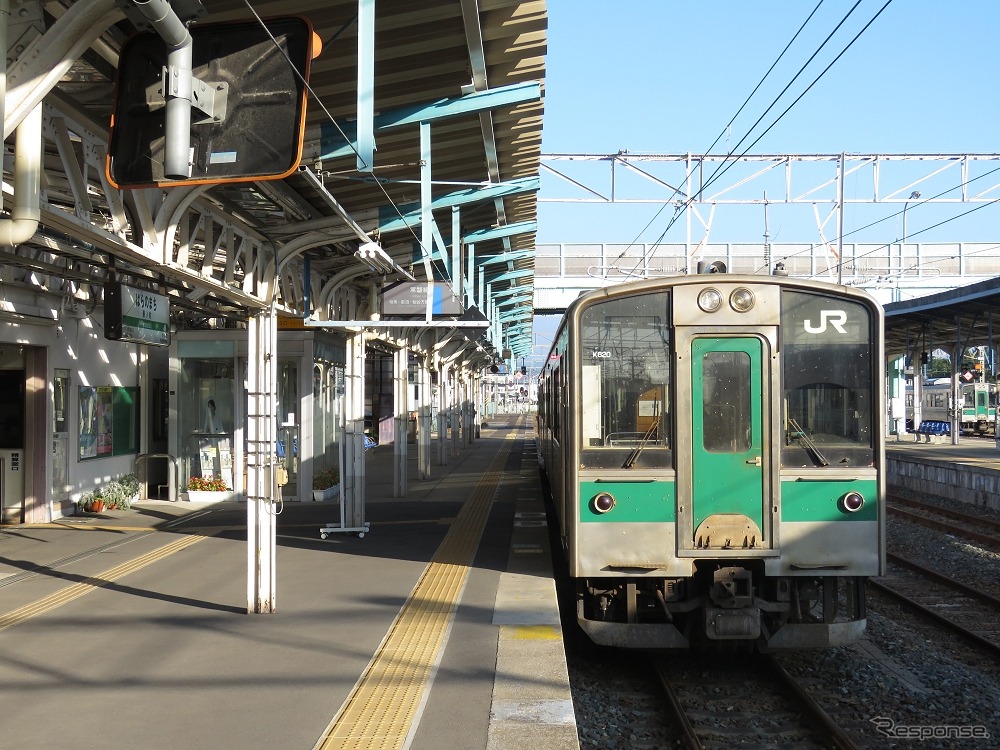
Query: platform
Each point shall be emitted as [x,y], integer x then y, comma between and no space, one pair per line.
[968,472]
[438,629]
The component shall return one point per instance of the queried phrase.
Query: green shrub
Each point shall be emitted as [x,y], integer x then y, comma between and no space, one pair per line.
[325,479]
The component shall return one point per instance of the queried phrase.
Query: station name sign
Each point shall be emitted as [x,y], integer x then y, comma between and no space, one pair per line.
[409,298]
[135,315]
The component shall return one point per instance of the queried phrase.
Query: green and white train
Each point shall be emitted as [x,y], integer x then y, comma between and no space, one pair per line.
[714,449]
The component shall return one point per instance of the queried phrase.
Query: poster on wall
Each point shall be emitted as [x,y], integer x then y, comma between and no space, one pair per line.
[96,421]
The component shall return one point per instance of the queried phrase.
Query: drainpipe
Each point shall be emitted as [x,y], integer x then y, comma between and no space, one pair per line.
[173,31]
[27,157]
[27,180]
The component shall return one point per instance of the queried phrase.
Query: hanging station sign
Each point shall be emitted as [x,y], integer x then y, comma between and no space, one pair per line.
[409,298]
[135,315]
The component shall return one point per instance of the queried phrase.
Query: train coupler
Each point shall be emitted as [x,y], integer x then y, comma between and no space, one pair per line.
[732,588]
[732,624]
[735,617]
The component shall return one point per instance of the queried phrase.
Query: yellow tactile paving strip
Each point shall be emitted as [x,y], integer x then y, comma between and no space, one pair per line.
[75,591]
[380,710]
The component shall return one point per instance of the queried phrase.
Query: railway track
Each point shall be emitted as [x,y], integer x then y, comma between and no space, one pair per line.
[975,528]
[965,610]
[752,702]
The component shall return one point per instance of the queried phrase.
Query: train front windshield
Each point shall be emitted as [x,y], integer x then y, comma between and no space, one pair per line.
[826,382]
[625,386]
[828,372]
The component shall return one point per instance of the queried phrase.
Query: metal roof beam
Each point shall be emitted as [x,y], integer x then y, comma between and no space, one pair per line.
[511,275]
[411,212]
[512,290]
[496,233]
[331,143]
[505,257]
[366,86]
[515,301]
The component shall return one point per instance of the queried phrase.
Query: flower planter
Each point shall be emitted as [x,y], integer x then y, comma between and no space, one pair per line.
[328,494]
[208,496]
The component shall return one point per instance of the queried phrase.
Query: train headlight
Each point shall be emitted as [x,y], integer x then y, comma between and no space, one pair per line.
[709,299]
[603,502]
[741,299]
[852,502]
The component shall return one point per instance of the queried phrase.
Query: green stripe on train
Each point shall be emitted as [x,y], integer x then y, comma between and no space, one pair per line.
[635,502]
[655,502]
[817,501]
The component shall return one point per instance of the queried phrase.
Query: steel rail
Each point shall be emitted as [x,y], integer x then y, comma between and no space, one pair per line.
[987,645]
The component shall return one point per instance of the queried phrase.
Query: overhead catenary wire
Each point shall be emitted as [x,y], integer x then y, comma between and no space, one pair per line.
[840,263]
[929,199]
[668,201]
[771,69]
[728,163]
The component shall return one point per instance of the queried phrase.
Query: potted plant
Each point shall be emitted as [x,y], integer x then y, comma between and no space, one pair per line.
[326,484]
[207,489]
[130,485]
[113,494]
[91,502]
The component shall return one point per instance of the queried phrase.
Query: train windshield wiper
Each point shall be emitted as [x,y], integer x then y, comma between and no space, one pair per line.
[809,443]
[634,454]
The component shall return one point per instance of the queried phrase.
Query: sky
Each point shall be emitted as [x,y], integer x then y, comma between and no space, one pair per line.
[663,76]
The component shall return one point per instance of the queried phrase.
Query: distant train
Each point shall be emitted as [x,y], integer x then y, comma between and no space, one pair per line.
[714,450]
[979,405]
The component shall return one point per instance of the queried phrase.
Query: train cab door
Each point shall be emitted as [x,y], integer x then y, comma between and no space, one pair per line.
[729,451]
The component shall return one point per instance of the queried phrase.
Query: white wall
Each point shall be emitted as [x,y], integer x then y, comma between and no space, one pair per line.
[74,338]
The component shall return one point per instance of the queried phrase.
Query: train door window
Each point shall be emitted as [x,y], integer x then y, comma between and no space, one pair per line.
[624,383]
[726,406]
[828,377]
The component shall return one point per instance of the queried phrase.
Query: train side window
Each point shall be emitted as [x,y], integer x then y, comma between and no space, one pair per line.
[624,383]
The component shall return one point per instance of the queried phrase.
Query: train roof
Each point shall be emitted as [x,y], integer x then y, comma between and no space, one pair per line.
[639,287]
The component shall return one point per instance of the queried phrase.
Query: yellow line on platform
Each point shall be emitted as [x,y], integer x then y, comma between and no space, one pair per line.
[75,591]
[379,712]
[73,526]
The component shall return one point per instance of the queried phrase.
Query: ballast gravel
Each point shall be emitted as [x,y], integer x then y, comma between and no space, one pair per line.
[906,684]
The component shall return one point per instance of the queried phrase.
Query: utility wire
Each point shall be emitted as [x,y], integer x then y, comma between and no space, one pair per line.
[769,70]
[428,252]
[894,215]
[717,174]
[934,261]
[724,166]
[719,137]
[841,262]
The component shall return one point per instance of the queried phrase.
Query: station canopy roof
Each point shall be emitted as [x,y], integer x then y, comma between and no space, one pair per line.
[959,318]
[473,68]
